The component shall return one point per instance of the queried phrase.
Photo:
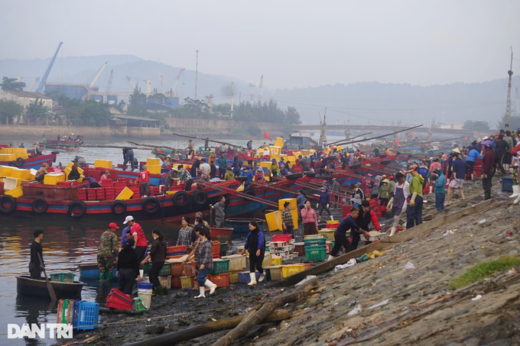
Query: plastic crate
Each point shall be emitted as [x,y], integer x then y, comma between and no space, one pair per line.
[313,236]
[292,269]
[177,269]
[187,281]
[267,260]
[244,277]
[166,270]
[177,248]
[215,248]
[275,272]
[278,244]
[276,260]
[282,237]
[176,282]
[221,280]
[236,262]
[220,266]
[145,285]
[316,253]
[62,277]
[507,184]
[189,268]
[223,249]
[314,242]
[165,281]
[176,253]
[115,302]
[329,233]
[299,248]
[233,276]
[86,315]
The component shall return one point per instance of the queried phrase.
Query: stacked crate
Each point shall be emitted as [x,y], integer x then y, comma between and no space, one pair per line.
[315,247]
[109,193]
[154,190]
[91,195]
[82,194]
[100,193]
[283,246]
[136,190]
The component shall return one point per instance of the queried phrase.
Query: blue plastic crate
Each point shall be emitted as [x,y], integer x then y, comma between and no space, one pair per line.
[86,315]
[507,184]
[244,278]
[145,285]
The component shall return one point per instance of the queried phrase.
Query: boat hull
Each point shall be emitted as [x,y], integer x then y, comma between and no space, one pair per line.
[222,235]
[34,162]
[90,271]
[38,288]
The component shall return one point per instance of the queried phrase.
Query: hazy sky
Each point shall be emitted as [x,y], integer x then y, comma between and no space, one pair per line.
[292,43]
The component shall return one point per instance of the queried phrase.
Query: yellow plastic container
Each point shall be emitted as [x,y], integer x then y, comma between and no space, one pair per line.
[186,282]
[6,151]
[333,222]
[292,201]
[103,164]
[266,164]
[153,162]
[267,260]
[273,221]
[16,192]
[275,150]
[125,194]
[329,233]
[291,269]
[11,183]
[53,178]
[19,151]
[233,276]
[276,260]
[23,174]
[154,169]
[5,171]
[7,157]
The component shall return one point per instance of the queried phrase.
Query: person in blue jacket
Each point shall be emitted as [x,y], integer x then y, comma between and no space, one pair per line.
[300,203]
[255,243]
[470,160]
[458,174]
[249,175]
[440,189]
[323,203]
[340,236]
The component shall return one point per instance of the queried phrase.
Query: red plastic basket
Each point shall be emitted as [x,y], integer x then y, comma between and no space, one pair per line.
[115,302]
[178,269]
[176,248]
[176,282]
[221,280]
[189,268]
[216,249]
[282,237]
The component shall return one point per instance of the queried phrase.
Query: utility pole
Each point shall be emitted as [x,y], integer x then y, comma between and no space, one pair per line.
[196,71]
[508,107]
[232,94]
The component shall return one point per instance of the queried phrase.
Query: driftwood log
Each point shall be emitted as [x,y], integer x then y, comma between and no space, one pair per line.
[204,329]
[256,317]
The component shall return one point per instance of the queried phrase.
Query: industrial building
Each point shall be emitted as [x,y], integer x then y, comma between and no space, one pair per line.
[24,98]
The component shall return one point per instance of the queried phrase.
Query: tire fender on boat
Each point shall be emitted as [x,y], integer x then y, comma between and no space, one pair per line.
[294,175]
[19,162]
[12,163]
[9,199]
[39,206]
[81,205]
[119,207]
[55,153]
[177,197]
[151,202]
[310,174]
[200,197]
[385,162]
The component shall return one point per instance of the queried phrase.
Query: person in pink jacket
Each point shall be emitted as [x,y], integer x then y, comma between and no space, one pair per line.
[309,219]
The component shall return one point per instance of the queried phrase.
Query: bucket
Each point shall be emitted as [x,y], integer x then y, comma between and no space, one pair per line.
[145,286]
[146,296]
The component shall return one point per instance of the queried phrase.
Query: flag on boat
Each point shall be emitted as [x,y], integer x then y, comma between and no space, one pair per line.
[465,138]
[267,136]
[397,141]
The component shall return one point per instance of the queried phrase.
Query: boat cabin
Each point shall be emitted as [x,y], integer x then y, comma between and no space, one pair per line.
[300,140]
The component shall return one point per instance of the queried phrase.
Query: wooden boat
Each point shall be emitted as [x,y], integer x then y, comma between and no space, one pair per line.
[33,287]
[90,271]
[34,162]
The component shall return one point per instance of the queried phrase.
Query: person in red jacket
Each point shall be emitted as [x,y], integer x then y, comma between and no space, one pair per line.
[365,218]
[144,179]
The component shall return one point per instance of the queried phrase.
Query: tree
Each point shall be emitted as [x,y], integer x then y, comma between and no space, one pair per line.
[476,125]
[90,112]
[136,104]
[12,84]
[514,122]
[37,110]
[9,110]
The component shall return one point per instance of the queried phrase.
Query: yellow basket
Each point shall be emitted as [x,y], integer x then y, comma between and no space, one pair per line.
[292,269]
[154,169]
[267,260]
[186,281]
[233,276]
[17,192]
[333,222]
[103,164]
[236,262]
[153,162]
[329,233]
[276,261]
[276,272]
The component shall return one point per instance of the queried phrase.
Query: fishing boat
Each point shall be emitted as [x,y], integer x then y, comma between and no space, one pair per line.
[33,287]
[90,271]
[241,225]
[61,145]
[34,162]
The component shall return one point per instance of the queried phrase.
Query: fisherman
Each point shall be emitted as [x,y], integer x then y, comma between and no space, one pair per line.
[249,145]
[511,145]
[229,175]
[144,179]
[283,171]
[358,195]
[398,203]
[21,146]
[126,235]
[213,170]
[309,219]
[502,147]
[414,212]
[74,173]
[191,152]
[167,162]
[304,163]
[206,170]
[107,250]
[222,165]
[205,262]
[255,243]
[336,189]
[488,170]
[236,166]
[387,152]
[440,189]
[128,268]
[275,169]
[206,144]
[185,233]
[185,177]
[35,265]
[365,218]
[194,170]
[220,216]
[104,176]
[376,152]
[128,155]
[340,234]
[157,255]
[138,235]
[383,193]
[287,219]
[60,166]
[391,186]
[514,163]
[459,169]
[323,202]
[300,203]
[37,151]
[281,162]
[40,175]
[473,154]
[249,176]
[170,178]
[260,175]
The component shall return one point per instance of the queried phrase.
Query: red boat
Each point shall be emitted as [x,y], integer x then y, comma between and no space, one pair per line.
[34,162]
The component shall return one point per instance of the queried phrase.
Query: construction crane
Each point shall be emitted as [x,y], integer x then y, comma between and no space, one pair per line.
[99,74]
[35,81]
[176,81]
[109,85]
[46,75]
[148,84]
[260,87]
[130,81]
[508,106]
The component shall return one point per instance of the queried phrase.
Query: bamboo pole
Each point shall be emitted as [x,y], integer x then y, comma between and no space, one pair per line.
[204,329]
[388,134]
[351,138]
[204,139]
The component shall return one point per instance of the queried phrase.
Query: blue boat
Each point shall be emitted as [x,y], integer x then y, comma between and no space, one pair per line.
[90,271]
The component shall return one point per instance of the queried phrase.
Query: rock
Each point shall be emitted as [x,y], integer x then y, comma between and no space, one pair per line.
[154,329]
[220,300]
[183,322]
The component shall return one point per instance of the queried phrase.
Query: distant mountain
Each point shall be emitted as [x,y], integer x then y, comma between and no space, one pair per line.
[360,102]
